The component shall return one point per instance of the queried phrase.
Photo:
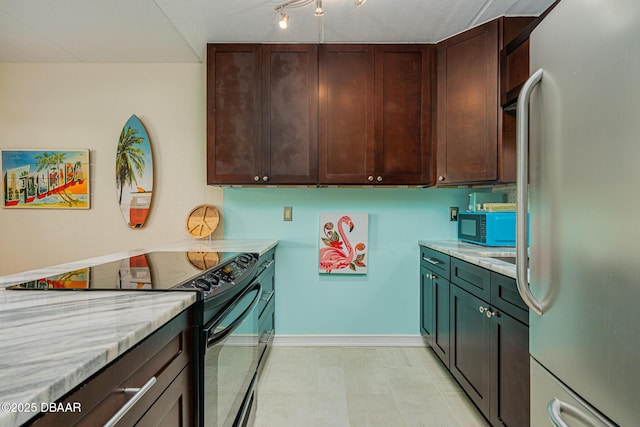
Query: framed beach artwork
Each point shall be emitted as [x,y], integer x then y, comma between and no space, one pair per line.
[134,173]
[45,178]
[343,243]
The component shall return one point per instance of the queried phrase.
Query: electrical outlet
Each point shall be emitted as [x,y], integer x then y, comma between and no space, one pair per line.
[287,214]
[453,213]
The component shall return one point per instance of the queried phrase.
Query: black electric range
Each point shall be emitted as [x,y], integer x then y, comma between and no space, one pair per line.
[226,313]
[215,276]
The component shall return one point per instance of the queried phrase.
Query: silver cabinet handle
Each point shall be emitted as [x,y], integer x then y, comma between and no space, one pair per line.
[441,178]
[256,178]
[370,178]
[265,178]
[556,407]
[267,264]
[522,175]
[379,179]
[431,276]
[483,309]
[137,395]
[491,314]
[432,261]
[268,296]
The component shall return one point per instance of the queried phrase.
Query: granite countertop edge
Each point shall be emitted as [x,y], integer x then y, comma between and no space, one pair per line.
[481,256]
[43,358]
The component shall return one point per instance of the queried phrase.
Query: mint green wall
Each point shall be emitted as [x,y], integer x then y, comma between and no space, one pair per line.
[386,299]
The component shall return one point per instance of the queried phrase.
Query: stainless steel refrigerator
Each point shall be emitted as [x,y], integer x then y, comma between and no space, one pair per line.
[579,115]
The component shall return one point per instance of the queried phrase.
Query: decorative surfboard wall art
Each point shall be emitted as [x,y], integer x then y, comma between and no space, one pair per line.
[134,173]
[343,243]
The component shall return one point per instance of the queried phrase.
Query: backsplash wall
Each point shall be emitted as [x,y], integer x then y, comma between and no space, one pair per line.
[385,300]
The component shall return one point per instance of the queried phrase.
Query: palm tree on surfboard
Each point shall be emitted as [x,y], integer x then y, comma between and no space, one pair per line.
[129,159]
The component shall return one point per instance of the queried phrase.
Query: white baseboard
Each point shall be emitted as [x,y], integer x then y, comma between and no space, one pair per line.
[348,341]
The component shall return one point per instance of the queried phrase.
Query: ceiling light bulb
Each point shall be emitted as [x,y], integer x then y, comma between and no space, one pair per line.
[318,11]
[360,2]
[284,21]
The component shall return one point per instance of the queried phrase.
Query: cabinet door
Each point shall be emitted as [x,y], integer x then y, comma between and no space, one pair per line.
[174,408]
[470,358]
[510,372]
[234,116]
[427,305]
[403,79]
[290,114]
[441,343]
[467,134]
[346,113]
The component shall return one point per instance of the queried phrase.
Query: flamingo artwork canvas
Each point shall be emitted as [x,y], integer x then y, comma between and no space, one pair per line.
[343,243]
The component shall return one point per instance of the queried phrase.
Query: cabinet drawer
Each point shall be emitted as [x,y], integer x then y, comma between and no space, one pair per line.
[163,355]
[472,278]
[435,261]
[505,297]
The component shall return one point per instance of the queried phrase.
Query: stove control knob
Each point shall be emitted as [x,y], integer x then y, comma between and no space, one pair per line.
[212,278]
[202,284]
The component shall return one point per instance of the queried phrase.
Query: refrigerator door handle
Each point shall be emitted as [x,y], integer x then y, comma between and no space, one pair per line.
[522,176]
[556,407]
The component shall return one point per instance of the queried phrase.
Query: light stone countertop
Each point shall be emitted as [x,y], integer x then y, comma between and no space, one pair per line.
[476,254]
[50,342]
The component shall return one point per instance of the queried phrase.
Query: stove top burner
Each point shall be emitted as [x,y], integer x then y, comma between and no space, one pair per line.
[210,273]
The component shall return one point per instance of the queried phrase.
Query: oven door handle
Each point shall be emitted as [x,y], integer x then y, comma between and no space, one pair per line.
[215,337]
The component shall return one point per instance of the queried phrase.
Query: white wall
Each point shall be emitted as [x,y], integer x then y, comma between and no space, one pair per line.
[77,106]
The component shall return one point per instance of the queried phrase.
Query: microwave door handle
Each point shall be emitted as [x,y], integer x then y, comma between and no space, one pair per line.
[213,338]
[522,176]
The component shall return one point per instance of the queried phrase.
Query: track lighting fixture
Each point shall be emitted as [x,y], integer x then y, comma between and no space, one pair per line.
[290,4]
[318,11]
[284,20]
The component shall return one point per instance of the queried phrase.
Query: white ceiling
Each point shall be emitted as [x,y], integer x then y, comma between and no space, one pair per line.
[159,31]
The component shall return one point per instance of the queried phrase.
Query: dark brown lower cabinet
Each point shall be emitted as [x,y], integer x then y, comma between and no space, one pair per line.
[441,339]
[470,359]
[426,304]
[434,313]
[509,385]
[166,355]
[490,358]
[476,323]
[173,407]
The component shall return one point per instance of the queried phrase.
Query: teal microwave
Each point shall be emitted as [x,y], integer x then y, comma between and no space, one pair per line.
[487,228]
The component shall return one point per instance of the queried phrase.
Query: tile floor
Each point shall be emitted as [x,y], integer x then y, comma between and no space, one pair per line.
[360,386]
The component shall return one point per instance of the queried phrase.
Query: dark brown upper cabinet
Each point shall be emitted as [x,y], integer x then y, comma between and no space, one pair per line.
[262,109]
[475,140]
[290,114]
[234,113]
[514,56]
[375,114]
[346,131]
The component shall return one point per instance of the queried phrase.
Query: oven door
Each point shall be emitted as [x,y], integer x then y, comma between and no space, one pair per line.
[230,361]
